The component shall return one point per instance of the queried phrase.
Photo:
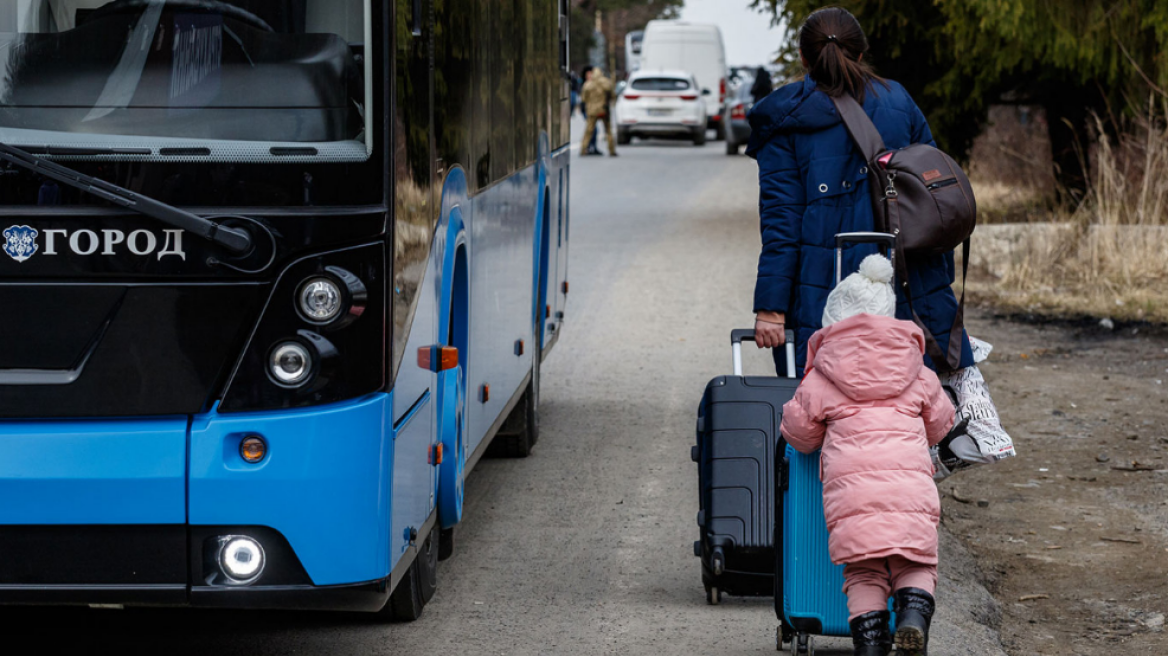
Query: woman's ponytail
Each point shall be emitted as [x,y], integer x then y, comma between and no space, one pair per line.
[832,43]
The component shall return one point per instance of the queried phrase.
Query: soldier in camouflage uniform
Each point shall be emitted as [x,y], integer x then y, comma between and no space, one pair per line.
[597,98]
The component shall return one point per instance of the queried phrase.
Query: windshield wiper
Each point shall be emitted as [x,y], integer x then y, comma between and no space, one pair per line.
[233,239]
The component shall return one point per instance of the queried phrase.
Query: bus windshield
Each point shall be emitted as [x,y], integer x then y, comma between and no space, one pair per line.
[246,81]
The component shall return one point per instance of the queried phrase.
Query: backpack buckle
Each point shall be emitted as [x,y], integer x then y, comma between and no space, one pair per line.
[890,190]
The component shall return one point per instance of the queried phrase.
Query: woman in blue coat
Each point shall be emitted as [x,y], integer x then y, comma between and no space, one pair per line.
[813,184]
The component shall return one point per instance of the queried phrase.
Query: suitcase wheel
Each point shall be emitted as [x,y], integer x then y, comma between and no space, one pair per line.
[718,562]
[783,637]
[713,596]
[803,645]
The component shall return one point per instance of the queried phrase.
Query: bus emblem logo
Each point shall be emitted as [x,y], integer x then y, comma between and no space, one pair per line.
[20,242]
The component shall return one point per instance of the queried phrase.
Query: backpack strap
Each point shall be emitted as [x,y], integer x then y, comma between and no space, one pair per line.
[861,128]
[945,360]
[867,138]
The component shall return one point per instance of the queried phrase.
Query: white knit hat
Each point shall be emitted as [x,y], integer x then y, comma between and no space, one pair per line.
[868,290]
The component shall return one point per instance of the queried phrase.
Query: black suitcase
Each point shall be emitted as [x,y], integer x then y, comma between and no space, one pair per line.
[737,440]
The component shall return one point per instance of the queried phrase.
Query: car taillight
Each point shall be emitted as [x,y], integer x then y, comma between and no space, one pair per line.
[738,112]
[689,96]
[632,96]
[722,91]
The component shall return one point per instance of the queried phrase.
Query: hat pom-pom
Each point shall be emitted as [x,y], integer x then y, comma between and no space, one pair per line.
[876,268]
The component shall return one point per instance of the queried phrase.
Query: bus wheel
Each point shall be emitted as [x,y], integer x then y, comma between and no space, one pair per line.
[446,545]
[418,585]
[520,431]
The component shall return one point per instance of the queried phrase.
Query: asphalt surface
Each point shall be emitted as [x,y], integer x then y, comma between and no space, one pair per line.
[586,546]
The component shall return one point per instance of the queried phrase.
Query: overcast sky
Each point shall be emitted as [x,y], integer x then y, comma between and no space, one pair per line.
[748,35]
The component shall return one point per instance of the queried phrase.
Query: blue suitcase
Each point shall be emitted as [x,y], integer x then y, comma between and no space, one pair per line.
[809,597]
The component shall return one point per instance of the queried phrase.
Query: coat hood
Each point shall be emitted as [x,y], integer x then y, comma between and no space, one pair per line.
[796,107]
[868,357]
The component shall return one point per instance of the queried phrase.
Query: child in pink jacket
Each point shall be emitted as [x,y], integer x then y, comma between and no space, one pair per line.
[874,409]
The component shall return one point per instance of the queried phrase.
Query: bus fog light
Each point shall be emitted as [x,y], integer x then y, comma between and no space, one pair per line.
[290,363]
[320,300]
[241,558]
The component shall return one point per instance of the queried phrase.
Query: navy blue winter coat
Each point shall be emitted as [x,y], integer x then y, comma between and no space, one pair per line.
[813,184]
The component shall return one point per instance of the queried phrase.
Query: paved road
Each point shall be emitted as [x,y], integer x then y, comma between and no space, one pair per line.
[584,548]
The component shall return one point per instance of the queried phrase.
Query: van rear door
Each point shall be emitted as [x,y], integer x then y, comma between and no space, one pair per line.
[696,49]
[703,57]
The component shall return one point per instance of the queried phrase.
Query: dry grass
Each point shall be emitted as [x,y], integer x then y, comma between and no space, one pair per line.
[1005,202]
[1010,167]
[1108,257]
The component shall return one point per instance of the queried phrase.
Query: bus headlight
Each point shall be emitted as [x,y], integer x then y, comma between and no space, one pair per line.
[294,360]
[241,558]
[320,300]
[290,364]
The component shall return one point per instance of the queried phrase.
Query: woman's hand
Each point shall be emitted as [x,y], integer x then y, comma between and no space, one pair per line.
[769,331]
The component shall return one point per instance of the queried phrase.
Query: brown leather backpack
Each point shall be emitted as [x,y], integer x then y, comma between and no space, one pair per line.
[924,198]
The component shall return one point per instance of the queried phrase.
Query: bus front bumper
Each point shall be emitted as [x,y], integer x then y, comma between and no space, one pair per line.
[148,566]
[356,597]
[135,512]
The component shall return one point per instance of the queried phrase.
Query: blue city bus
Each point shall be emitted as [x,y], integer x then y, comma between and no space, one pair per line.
[276,275]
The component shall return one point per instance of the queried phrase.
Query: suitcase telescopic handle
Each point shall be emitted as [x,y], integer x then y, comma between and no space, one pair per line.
[739,335]
[885,239]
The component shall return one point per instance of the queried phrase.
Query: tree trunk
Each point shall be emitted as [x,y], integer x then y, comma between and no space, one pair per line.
[1068,117]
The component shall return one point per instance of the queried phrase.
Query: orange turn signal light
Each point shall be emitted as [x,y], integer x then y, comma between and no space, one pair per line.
[486,393]
[438,358]
[436,454]
[253,449]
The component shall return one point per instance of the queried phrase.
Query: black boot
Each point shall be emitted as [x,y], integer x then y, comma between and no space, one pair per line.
[914,611]
[870,634]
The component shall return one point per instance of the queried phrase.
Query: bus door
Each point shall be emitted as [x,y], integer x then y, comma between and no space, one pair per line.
[415,214]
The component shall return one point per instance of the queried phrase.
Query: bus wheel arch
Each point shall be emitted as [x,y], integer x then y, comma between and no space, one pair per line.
[543,275]
[452,397]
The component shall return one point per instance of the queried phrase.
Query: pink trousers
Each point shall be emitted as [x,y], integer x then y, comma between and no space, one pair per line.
[869,583]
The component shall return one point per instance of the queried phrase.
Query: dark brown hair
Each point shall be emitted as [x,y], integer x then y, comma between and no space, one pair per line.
[832,42]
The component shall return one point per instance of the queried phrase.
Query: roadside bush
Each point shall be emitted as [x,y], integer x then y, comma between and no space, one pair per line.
[1108,256]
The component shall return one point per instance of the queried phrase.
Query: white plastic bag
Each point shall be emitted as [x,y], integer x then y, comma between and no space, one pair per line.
[978,437]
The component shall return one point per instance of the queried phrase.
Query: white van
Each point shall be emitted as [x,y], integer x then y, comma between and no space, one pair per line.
[633,41]
[693,47]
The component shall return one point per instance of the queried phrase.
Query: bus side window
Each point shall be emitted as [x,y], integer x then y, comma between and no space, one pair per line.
[564,66]
[504,55]
[481,98]
[454,84]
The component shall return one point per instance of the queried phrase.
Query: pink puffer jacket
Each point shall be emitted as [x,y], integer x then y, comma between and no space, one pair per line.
[874,408]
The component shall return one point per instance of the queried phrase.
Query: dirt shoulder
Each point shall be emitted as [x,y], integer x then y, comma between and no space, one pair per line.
[1072,535]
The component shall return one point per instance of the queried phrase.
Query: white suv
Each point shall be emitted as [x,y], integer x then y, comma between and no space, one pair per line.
[661,104]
